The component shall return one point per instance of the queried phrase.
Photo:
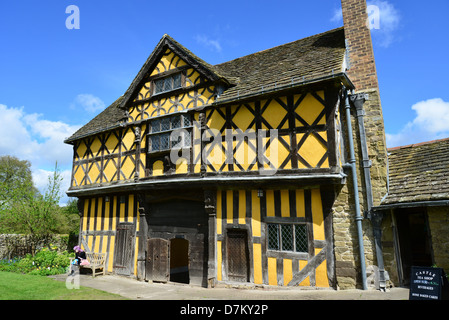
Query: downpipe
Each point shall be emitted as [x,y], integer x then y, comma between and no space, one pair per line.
[352,167]
[375,217]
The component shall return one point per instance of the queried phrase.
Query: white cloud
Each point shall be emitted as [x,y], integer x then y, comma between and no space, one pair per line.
[40,141]
[389,21]
[338,16]
[89,102]
[431,123]
[40,179]
[384,19]
[210,43]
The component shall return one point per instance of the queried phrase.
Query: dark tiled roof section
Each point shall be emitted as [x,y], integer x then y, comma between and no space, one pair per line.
[309,58]
[419,172]
[306,59]
[109,118]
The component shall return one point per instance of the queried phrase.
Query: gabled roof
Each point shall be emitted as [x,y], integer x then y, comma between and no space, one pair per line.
[294,63]
[419,172]
[194,61]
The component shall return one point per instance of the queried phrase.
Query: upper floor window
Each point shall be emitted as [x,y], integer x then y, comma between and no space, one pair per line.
[165,133]
[167,83]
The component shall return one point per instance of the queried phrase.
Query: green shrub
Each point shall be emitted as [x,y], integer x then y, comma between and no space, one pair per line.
[45,262]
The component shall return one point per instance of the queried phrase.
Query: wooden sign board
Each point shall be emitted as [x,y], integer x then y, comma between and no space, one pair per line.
[426,283]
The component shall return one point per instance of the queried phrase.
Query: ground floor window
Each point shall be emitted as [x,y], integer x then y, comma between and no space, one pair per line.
[287,237]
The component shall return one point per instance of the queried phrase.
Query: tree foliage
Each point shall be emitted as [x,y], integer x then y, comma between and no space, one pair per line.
[23,209]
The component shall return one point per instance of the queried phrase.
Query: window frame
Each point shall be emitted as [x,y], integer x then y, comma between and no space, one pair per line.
[184,124]
[163,79]
[279,236]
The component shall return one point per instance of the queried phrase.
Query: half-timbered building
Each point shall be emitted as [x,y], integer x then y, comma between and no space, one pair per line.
[246,171]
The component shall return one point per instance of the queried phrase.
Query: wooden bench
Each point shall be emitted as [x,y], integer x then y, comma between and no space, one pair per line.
[96,261]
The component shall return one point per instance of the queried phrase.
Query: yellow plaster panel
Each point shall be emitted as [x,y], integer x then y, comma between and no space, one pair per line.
[128,139]
[321,279]
[272,272]
[229,206]
[276,153]
[110,170]
[93,173]
[219,213]
[243,118]
[95,147]
[306,281]
[285,203]
[317,215]
[219,261]
[111,254]
[255,214]
[242,206]
[288,271]
[300,204]
[81,150]
[181,166]
[245,155]
[257,262]
[312,150]
[128,166]
[111,144]
[274,114]
[310,108]
[78,175]
[158,168]
[270,203]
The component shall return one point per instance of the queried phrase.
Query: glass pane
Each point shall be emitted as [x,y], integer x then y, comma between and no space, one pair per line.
[168,84]
[301,238]
[176,122]
[155,145]
[165,124]
[177,81]
[164,141]
[273,237]
[155,126]
[159,86]
[176,139]
[287,237]
[187,139]
[187,121]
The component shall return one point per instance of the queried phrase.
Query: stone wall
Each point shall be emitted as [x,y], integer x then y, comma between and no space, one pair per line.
[347,257]
[16,245]
[439,230]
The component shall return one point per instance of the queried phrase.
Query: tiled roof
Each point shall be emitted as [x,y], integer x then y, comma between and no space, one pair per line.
[419,172]
[315,57]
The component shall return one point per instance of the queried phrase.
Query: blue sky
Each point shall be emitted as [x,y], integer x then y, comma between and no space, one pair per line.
[53,79]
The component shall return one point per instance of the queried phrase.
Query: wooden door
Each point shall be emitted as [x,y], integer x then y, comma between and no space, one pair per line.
[124,245]
[237,256]
[158,260]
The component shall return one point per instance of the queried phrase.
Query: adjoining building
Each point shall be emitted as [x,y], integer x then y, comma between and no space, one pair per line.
[417,209]
[257,170]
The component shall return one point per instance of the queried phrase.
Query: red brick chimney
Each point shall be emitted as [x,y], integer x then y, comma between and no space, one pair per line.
[362,67]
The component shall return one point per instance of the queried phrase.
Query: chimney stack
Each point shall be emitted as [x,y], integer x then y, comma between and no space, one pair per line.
[362,67]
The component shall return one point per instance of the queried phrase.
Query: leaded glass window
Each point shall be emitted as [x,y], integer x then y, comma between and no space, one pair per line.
[287,237]
[168,83]
[170,132]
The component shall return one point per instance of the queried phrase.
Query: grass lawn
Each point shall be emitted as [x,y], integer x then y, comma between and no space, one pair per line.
[15,286]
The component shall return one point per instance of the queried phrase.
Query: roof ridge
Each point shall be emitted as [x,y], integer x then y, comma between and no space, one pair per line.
[417,144]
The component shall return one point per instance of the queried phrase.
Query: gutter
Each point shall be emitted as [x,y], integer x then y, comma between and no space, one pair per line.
[416,204]
[351,165]
[202,181]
